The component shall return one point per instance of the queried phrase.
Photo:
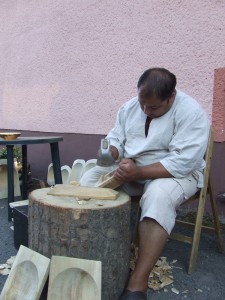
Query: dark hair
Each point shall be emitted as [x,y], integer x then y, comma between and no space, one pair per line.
[157,82]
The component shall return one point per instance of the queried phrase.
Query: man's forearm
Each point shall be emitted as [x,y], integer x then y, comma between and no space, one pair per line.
[128,171]
[154,171]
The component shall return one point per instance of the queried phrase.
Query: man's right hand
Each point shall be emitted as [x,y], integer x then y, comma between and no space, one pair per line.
[114,152]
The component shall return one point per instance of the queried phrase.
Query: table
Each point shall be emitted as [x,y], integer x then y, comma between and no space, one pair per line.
[24,141]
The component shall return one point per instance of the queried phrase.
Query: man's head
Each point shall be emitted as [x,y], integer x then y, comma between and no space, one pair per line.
[156,91]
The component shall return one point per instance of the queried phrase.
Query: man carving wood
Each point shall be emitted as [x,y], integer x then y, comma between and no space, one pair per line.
[158,143]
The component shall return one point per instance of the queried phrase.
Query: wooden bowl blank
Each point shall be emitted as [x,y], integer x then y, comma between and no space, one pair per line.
[9,136]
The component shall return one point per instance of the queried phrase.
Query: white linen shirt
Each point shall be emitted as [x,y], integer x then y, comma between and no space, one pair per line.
[177,140]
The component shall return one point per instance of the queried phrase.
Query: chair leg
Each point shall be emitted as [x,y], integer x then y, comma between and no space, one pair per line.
[197,233]
[216,218]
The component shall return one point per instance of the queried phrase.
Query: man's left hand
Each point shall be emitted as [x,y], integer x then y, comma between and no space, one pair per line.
[127,171]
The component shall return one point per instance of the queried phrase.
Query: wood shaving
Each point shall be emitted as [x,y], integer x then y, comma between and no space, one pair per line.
[174,261]
[5,268]
[10,261]
[160,275]
[76,183]
[5,272]
[175,291]
[82,202]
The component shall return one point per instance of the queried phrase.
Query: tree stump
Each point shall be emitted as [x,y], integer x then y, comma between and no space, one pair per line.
[96,230]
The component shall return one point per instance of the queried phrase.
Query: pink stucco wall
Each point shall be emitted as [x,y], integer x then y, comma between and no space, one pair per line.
[66,66]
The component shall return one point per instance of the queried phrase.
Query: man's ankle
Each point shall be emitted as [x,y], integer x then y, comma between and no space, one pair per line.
[137,284]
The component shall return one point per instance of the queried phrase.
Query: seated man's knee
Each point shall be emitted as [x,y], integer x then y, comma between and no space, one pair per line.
[159,202]
[90,178]
[165,191]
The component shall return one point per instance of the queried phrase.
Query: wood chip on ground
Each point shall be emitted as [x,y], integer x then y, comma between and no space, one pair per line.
[5,268]
[161,274]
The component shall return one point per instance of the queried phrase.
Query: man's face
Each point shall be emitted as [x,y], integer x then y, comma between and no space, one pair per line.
[153,107]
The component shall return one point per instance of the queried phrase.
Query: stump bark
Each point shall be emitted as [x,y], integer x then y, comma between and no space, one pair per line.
[97,230]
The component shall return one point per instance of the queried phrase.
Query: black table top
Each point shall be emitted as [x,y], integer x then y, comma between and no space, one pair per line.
[32,140]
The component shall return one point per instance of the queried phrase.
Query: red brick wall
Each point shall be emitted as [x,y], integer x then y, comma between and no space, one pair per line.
[218,108]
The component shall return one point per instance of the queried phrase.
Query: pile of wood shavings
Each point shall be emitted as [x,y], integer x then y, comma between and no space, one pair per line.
[161,274]
[5,268]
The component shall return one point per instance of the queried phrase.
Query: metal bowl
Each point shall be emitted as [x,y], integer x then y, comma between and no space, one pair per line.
[9,136]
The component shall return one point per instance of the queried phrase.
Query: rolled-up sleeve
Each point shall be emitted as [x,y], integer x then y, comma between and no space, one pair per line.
[117,134]
[188,145]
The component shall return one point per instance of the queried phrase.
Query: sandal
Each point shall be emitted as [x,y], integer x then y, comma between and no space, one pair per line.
[137,295]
